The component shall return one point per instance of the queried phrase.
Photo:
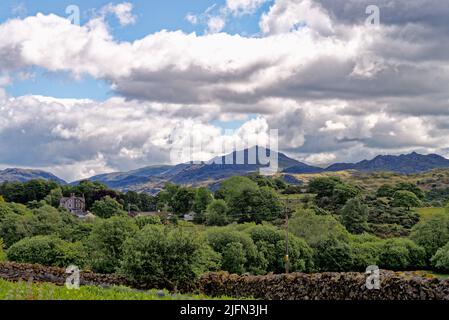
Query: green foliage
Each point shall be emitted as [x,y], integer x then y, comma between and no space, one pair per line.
[355,216]
[105,243]
[432,233]
[217,213]
[33,190]
[203,197]
[385,191]
[166,257]
[2,252]
[219,238]
[107,207]
[331,192]
[54,197]
[233,187]
[233,258]
[401,254]
[47,250]
[270,241]
[332,254]
[440,261]
[413,188]
[405,199]
[142,221]
[182,201]
[314,228]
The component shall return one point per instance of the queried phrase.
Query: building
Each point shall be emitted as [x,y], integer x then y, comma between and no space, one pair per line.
[75,205]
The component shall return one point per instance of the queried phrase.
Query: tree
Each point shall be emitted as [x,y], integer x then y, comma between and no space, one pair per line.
[412,188]
[440,260]
[431,233]
[385,191]
[405,199]
[54,197]
[48,251]
[166,258]
[355,216]
[203,197]
[106,240]
[107,207]
[233,258]
[334,255]
[182,201]
[235,186]
[217,213]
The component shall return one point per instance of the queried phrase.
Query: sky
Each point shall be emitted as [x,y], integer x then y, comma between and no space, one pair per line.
[123,84]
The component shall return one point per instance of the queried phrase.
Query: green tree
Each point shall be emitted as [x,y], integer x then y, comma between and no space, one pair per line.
[166,258]
[217,213]
[48,251]
[385,191]
[431,233]
[233,258]
[203,197]
[54,197]
[405,199]
[355,216]
[412,188]
[182,201]
[332,254]
[440,261]
[106,241]
[107,207]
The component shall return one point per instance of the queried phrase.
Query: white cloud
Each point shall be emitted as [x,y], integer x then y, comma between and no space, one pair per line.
[238,7]
[123,12]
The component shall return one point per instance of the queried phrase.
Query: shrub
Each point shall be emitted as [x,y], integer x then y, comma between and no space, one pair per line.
[142,221]
[217,213]
[332,254]
[2,252]
[233,258]
[219,238]
[107,207]
[432,233]
[106,241]
[47,250]
[400,254]
[440,260]
[270,241]
[166,257]
[355,216]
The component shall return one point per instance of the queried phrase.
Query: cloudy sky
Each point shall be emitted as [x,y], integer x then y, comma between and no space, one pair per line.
[130,82]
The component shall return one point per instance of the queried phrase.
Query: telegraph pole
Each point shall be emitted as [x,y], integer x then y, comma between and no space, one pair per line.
[287,261]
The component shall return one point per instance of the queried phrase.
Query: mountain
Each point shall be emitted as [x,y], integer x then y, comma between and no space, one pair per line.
[405,163]
[23,175]
[152,179]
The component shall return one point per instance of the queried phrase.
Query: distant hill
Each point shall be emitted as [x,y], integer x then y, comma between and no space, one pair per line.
[406,164]
[152,179]
[24,175]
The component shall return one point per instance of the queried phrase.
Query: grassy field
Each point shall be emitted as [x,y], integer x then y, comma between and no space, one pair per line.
[426,213]
[46,291]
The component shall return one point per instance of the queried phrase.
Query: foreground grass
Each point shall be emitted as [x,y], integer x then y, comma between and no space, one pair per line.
[46,291]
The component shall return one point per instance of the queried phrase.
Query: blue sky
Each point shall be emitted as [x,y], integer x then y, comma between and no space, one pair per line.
[152,16]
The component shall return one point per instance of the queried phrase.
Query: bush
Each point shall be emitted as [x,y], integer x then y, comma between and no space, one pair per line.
[217,213]
[107,207]
[233,258]
[106,241]
[270,242]
[165,257]
[47,250]
[432,233]
[440,261]
[142,221]
[332,254]
[2,252]
[355,216]
[401,254]
[219,238]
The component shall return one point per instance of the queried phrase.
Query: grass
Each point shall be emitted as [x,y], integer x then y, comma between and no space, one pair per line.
[46,291]
[426,213]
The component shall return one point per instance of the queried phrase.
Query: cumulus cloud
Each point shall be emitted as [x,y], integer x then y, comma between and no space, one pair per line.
[123,12]
[335,88]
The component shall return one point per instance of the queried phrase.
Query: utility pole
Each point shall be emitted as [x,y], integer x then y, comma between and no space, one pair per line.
[287,261]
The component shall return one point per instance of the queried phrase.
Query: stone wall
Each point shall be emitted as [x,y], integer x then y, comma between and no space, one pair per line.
[294,286]
[326,286]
